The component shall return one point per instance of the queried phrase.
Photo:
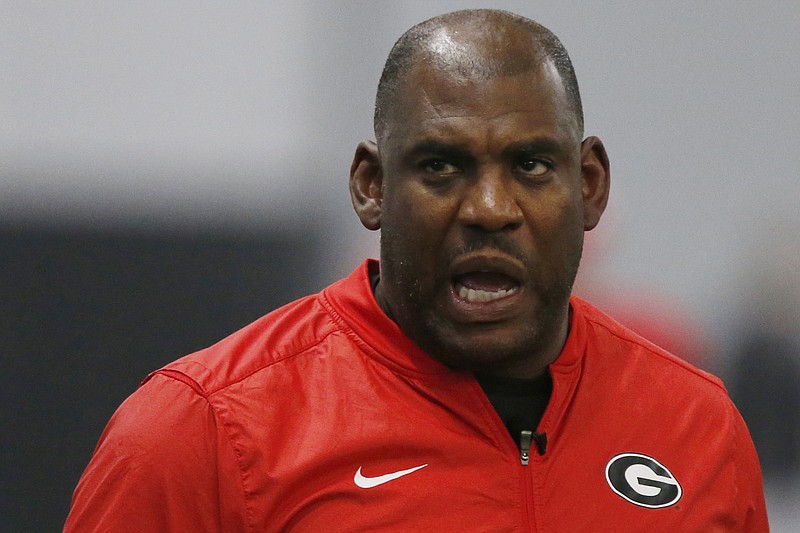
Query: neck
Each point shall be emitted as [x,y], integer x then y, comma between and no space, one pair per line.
[534,367]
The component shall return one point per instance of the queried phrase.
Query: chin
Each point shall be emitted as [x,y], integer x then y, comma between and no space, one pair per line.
[528,343]
[486,350]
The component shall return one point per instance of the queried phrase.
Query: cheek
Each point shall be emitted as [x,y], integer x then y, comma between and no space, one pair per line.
[550,207]
[557,225]
[416,217]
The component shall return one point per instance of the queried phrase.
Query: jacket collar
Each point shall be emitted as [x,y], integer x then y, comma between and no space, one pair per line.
[353,304]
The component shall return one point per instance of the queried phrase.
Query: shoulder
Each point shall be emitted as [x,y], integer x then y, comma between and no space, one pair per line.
[651,391]
[280,335]
[177,419]
[633,358]
[144,474]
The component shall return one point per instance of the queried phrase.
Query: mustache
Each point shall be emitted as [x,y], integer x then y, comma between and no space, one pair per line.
[477,242]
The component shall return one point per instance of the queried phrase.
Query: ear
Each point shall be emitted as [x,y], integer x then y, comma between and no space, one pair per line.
[596,181]
[366,184]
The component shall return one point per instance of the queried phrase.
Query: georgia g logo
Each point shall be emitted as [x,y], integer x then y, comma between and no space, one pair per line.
[642,480]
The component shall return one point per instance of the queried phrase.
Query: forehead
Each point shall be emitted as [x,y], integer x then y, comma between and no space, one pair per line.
[459,101]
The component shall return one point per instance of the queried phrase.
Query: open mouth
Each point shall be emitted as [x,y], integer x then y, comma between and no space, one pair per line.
[480,287]
[486,285]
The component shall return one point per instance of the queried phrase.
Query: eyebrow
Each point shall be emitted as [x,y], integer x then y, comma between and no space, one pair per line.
[432,146]
[543,145]
[540,145]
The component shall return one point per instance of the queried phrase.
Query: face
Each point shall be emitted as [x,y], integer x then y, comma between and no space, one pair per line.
[478,188]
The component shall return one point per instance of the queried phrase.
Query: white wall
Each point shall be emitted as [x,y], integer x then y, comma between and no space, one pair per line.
[195,113]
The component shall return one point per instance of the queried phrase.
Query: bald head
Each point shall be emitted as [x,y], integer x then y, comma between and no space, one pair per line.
[474,44]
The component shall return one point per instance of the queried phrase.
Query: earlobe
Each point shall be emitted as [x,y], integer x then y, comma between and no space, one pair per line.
[366,184]
[596,181]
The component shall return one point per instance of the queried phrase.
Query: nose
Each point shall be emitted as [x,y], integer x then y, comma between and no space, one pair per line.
[489,203]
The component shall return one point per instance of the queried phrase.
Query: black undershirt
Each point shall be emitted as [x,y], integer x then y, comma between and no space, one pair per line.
[520,403]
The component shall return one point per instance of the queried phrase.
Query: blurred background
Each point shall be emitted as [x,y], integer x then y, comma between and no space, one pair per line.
[170,171]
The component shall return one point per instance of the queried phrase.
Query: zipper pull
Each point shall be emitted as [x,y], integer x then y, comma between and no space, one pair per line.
[525,446]
[541,442]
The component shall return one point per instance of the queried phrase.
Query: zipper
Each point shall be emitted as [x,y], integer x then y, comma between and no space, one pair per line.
[525,438]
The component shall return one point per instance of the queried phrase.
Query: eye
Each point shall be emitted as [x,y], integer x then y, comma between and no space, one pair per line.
[439,166]
[533,167]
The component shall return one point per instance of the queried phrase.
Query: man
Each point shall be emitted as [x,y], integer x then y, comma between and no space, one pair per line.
[455,386]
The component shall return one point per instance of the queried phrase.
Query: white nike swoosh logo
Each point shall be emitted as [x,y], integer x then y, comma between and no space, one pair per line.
[369,482]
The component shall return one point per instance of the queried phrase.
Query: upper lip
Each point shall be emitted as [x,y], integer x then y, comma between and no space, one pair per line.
[489,261]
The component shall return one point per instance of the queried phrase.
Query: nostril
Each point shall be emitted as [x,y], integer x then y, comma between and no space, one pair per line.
[491,212]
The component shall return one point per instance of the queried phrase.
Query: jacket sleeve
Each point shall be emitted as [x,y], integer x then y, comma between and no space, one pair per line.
[163,463]
[749,484]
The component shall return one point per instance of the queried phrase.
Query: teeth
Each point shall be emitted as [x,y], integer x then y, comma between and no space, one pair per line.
[473,295]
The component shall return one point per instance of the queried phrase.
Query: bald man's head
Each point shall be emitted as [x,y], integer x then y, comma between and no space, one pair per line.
[475,43]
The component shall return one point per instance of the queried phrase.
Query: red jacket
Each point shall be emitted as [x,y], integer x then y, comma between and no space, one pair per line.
[292,423]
